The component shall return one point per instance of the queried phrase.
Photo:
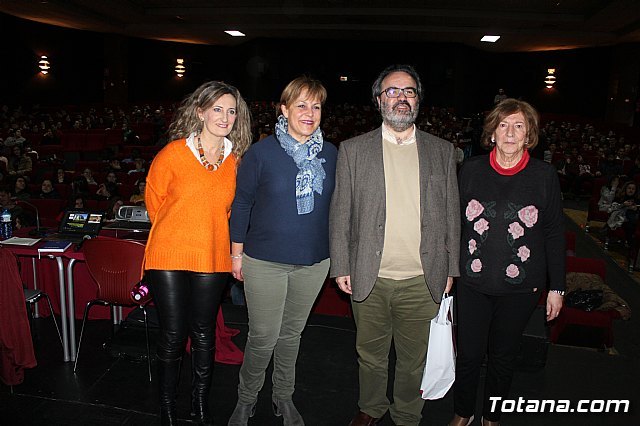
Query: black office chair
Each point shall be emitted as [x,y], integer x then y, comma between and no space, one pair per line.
[31,296]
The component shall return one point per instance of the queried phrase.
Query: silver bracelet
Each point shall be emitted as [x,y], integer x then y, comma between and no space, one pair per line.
[560,292]
[239,256]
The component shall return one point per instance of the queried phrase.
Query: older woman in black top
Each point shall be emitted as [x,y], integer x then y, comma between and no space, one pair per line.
[512,239]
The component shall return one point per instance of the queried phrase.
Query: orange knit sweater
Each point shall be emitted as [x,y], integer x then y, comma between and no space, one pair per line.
[189,209]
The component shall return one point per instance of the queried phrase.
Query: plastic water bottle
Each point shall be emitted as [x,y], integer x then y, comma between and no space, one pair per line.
[139,291]
[6,229]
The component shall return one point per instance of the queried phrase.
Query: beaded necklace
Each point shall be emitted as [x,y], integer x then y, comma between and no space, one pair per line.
[205,162]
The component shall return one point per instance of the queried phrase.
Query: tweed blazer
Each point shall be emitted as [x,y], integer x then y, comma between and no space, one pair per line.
[358,212]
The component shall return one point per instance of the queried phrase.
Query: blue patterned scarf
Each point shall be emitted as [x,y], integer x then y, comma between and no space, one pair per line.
[311,174]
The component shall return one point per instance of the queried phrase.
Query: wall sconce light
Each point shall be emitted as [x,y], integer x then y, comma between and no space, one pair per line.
[550,80]
[180,68]
[44,65]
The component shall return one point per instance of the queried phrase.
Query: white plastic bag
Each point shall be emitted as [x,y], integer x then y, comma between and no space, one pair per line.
[440,368]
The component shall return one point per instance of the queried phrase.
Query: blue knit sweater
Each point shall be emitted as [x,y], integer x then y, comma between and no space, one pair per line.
[264,215]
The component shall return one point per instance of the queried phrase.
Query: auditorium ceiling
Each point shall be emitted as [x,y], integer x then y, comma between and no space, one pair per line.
[524,25]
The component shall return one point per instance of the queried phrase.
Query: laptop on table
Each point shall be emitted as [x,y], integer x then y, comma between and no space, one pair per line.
[78,225]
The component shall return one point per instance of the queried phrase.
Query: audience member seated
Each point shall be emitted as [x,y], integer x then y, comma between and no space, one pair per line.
[14,138]
[135,153]
[19,162]
[88,176]
[608,194]
[634,171]
[114,165]
[112,177]
[48,191]
[582,174]
[20,191]
[129,135]
[138,192]
[610,167]
[75,202]
[50,138]
[61,176]
[28,150]
[7,203]
[548,153]
[79,187]
[624,211]
[114,205]
[566,171]
[139,166]
[622,155]
[23,220]
[78,202]
[499,97]
[458,152]
[106,191]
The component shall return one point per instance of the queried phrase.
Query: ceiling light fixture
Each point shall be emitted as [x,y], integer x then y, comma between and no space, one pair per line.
[180,68]
[550,79]
[235,33]
[490,38]
[44,65]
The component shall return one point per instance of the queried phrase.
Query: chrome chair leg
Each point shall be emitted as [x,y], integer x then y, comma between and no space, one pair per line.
[146,332]
[55,322]
[31,298]
[84,321]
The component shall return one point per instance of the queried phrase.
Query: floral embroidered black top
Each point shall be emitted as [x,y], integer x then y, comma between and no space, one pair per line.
[512,228]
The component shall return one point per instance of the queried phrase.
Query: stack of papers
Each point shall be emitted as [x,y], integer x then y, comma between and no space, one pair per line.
[20,241]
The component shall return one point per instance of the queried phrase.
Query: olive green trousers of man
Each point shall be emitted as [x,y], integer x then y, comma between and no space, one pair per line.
[279,300]
[398,310]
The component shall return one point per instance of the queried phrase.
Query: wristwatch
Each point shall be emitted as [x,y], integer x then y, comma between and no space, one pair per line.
[560,292]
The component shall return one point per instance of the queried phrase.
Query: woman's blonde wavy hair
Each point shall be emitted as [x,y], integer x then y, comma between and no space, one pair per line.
[186,120]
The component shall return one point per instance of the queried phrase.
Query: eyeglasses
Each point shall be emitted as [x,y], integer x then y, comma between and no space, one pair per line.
[394,92]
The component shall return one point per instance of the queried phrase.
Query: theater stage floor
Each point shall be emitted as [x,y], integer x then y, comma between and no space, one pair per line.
[111,391]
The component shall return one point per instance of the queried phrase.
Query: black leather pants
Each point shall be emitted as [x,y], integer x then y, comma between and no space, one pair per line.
[187,304]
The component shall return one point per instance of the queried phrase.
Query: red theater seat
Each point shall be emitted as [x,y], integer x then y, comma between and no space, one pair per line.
[47,208]
[597,324]
[95,141]
[593,212]
[332,301]
[113,137]
[73,141]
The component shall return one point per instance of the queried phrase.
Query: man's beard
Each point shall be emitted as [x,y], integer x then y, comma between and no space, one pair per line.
[398,120]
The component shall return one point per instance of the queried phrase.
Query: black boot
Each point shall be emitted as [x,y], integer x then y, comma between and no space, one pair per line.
[168,377]
[201,372]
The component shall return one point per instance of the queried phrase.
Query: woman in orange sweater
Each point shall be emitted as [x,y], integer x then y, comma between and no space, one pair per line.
[190,188]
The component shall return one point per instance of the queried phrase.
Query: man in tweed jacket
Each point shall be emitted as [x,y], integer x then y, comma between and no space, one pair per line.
[394,242]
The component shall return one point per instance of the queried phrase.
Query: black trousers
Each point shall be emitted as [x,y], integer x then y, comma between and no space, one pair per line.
[490,325]
[187,304]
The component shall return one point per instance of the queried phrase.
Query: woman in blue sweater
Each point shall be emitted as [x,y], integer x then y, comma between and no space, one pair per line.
[280,243]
